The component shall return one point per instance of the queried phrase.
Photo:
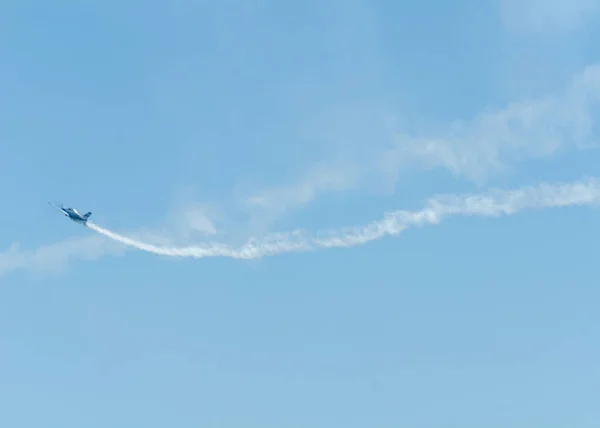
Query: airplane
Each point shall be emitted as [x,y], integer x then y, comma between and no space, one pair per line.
[73,214]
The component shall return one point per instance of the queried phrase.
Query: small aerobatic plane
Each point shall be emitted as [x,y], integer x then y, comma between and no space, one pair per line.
[73,214]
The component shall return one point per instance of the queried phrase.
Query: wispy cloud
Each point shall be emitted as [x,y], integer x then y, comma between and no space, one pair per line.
[476,149]
[275,201]
[191,220]
[55,258]
[546,16]
[494,140]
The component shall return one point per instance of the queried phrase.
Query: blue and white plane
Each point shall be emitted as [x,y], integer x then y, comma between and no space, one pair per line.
[73,214]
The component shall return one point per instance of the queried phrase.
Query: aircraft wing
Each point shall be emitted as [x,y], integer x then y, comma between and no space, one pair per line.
[56,207]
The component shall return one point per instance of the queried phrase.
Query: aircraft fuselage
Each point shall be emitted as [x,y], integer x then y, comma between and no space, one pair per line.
[73,214]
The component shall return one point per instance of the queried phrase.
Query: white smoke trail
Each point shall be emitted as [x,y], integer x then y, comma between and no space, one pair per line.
[489,204]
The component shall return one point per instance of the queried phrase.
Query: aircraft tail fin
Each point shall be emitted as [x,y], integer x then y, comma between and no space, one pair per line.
[87,215]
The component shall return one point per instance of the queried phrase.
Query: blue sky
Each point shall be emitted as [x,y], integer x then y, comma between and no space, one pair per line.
[180,123]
